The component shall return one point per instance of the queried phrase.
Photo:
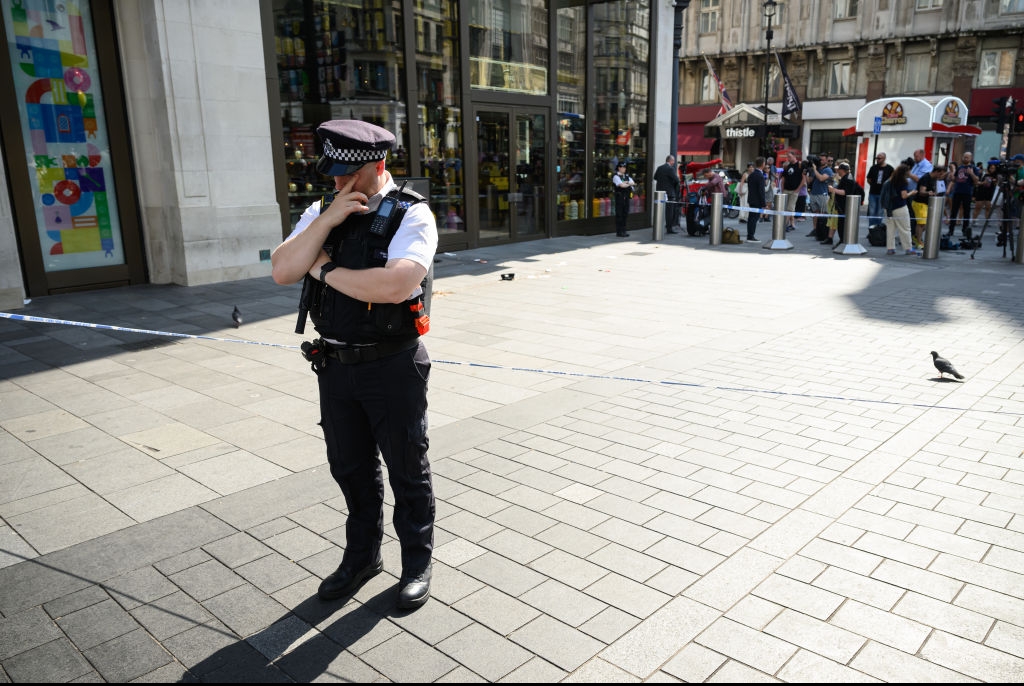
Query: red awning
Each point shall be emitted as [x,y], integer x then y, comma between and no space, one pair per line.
[691,140]
[957,130]
[696,114]
[852,131]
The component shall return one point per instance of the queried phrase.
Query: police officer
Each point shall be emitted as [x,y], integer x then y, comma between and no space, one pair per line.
[369,252]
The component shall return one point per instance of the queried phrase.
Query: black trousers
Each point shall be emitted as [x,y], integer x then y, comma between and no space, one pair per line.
[672,213]
[381,405]
[621,212]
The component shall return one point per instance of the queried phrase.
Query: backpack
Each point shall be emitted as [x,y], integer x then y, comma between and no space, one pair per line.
[888,197]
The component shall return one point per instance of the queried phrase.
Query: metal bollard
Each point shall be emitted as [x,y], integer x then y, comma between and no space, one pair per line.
[779,240]
[715,236]
[659,214]
[933,227]
[851,232]
[1018,253]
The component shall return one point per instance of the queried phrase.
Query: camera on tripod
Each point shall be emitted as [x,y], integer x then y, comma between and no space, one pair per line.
[810,162]
[1003,167]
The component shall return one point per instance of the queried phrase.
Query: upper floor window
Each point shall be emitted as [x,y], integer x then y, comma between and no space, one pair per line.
[997,67]
[929,4]
[917,73]
[778,19]
[708,88]
[839,78]
[1011,6]
[846,9]
[708,22]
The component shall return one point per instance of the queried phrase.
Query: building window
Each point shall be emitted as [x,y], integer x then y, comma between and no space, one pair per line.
[917,73]
[996,67]
[780,16]
[1011,6]
[839,78]
[571,23]
[708,89]
[508,46]
[846,9]
[708,22]
[924,5]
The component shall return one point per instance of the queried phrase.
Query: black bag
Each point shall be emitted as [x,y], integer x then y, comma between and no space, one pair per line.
[888,197]
[876,235]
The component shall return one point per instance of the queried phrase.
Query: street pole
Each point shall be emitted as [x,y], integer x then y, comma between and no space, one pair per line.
[677,45]
[769,12]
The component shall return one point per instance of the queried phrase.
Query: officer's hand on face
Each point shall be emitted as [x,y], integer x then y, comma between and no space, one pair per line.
[345,203]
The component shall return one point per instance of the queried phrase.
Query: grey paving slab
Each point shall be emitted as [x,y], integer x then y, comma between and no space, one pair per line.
[57,574]
[56,661]
[24,631]
[321,659]
[485,652]
[246,609]
[97,624]
[407,659]
[127,657]
[171,615]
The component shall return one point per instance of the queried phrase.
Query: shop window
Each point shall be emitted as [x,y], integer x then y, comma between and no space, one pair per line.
[709,12]
[924,5]
[917,73]
[845,9]
[439,115]
[508,45]
[337,59]
[996,68]
[1011,6]
[571,169]
[619,127]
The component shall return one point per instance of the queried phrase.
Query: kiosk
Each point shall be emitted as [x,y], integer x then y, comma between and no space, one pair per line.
[898,126]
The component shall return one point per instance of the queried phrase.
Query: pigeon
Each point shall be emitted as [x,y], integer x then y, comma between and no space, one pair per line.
[945,366]
[236,317]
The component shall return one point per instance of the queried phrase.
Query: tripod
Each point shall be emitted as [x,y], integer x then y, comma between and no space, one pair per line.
[1003,198]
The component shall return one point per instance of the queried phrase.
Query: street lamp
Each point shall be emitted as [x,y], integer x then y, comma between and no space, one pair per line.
[769,12]
[677,43]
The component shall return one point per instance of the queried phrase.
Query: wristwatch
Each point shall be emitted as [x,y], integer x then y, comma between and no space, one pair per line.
[326,267]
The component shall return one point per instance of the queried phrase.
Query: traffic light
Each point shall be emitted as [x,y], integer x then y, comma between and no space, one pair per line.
[999,111]
[1018,122]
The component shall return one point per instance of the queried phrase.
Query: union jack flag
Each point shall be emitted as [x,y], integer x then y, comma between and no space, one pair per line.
[723,95]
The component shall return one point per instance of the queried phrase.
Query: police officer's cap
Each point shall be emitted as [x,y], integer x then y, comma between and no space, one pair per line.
[349,144]
[1018,158]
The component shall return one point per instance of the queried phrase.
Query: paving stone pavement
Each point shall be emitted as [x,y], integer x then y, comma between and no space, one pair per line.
[655,461]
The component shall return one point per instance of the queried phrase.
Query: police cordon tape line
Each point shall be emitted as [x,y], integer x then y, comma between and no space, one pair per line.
[532,370]
[945,220]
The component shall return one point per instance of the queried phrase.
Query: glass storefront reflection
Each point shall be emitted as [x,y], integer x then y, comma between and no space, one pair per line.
[571,29]
[621,59]
[345,59]
[508,45]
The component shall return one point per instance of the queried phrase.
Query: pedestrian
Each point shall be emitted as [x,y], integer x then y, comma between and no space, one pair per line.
[878,174]
[623,184]
[900,217]
[820,174]
[844,186]
[742,190]
[771,185]
[364,258]
[984,191]
[793,182]
[666,178]
[926,189]
[919,166]
[756,199]
[964,178]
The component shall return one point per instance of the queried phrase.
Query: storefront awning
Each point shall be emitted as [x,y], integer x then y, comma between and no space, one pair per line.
[691,141]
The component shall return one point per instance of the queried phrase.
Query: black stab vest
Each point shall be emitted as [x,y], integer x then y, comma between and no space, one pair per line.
[351,245]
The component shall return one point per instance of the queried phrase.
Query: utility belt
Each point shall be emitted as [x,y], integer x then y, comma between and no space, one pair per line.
[318,351]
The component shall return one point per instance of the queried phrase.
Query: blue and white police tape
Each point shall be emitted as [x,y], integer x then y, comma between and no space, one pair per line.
[125,329]
[532,370]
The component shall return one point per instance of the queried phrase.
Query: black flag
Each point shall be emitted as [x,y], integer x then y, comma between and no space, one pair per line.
[790,100]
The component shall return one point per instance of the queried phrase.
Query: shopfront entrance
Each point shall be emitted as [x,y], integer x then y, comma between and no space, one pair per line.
[62,112]
[512,173]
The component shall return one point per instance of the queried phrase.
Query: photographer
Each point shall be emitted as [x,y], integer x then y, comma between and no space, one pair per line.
[820,174]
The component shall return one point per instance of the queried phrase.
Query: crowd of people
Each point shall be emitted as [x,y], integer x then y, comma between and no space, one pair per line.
[897,196]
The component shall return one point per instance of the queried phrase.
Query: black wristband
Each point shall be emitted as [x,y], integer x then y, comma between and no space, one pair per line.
[327,267]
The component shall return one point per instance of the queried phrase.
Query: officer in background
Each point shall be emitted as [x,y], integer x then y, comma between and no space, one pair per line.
[366,256]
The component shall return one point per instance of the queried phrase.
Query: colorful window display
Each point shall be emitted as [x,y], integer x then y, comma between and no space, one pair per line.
[57,84]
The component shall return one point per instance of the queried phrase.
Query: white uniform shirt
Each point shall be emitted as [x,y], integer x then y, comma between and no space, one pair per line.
[416,238]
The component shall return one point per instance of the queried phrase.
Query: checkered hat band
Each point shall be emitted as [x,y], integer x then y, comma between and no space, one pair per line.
[352,156]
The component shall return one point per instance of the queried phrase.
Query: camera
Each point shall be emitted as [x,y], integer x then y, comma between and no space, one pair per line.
[811,162]
[909,163]
[1004,167]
